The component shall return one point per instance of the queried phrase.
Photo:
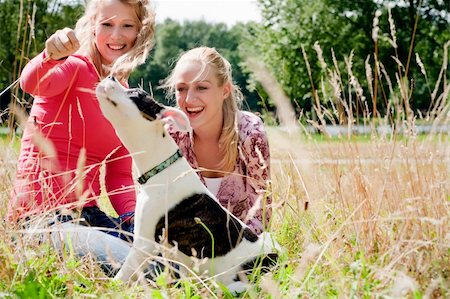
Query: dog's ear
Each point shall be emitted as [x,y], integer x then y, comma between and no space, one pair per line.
[176,117]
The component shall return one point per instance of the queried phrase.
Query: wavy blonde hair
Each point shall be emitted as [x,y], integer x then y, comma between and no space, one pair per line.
[125,64]
[229,138]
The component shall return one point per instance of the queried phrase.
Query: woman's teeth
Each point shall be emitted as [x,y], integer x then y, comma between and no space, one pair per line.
[113,47]
[194,110]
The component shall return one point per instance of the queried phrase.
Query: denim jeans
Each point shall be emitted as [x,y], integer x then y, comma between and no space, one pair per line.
[105,238]
[108,240]
[116,227]
[107,250]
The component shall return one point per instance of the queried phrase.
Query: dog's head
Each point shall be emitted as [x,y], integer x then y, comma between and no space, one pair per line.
[122,106]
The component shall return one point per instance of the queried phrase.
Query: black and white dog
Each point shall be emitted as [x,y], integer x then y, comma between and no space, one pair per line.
[172,201]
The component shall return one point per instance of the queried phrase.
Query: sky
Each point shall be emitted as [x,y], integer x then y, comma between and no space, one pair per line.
[228,12]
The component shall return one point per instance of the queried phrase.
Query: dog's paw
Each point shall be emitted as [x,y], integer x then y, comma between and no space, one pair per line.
[237,288]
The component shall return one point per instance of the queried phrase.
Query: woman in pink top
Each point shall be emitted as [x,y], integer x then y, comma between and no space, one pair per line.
[65,171]
[228,146]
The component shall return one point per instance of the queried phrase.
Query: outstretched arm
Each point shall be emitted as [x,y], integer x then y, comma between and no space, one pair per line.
[49,73]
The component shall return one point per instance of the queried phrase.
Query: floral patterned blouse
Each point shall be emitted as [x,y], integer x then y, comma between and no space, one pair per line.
[244,191]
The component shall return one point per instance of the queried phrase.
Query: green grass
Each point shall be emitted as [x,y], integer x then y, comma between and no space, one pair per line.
[6,140]
[365,228]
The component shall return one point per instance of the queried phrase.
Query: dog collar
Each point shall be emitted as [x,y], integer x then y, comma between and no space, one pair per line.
[157,169]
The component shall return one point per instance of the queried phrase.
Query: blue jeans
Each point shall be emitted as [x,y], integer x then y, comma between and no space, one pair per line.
[107,250]
[116,227]
[108,240]
[105,238]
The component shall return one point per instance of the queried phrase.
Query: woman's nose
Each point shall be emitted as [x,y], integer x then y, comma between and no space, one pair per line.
[190,95]
[116,32]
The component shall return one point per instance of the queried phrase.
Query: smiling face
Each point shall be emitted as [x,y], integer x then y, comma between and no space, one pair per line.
[199,94]
[116,30]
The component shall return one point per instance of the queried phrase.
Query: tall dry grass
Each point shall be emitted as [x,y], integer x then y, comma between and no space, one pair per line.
[382,205]
[363,216]
[358,217]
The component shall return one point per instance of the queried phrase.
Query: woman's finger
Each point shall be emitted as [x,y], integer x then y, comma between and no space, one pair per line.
[75,44]
[62,44]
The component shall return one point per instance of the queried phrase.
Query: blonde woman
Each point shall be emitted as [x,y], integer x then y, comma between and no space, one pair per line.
[112,37]
[228,146]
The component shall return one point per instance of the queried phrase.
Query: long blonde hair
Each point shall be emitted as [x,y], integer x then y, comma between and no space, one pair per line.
[229,137]
[125,64]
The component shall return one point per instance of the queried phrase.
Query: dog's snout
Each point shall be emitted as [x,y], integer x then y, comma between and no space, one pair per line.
[109,83]
[111,77]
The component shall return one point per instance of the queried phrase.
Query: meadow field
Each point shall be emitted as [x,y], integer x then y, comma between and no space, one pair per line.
[360,217]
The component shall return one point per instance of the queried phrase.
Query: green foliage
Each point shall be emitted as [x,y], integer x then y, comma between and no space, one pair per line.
[25,26]
[25,29]
[37,271]
[288,25]
[345,26]
[365,281]
[40,277]
[39,286]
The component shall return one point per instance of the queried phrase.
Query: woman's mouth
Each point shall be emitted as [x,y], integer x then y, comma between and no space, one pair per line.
[116,47]
[194,111]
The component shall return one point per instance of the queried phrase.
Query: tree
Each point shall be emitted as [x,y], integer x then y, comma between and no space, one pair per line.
[25,27]
[290,29]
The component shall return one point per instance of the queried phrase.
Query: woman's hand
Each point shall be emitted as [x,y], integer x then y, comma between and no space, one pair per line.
[62,43]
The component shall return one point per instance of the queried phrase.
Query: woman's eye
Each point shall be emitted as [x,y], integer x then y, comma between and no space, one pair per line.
[106,24]
[128,26]
[202,88]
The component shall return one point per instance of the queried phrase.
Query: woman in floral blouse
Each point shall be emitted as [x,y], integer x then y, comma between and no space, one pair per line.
[228,146]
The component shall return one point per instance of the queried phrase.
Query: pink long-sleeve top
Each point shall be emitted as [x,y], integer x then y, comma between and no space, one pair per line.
[67,114]
[244,191]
